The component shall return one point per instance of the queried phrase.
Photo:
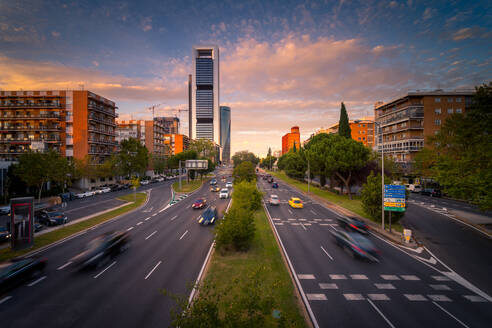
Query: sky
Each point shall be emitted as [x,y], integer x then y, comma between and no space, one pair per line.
[282,63]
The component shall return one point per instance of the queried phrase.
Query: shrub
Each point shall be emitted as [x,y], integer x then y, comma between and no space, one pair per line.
[244,172]
[235,231]
[246,195]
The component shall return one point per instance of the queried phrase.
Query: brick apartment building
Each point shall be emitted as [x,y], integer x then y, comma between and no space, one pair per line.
[361,130]
[154,138]
[126,129]
[408,120]
[176,143]
[291,139]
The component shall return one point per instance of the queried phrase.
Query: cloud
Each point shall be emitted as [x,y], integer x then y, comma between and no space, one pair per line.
[428,13]
[146,24]
[393,4]
[95,63]
[471,33]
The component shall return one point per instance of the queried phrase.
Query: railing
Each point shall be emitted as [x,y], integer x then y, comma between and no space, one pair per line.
[31,105]
[100,152]
[103,142]
[403,129]
[37,116]
[413,111]
[91,129]
[102,109]
[28,140]
[100,120]
[29,128]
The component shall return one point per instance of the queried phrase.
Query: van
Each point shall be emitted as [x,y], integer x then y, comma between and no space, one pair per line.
[415,188]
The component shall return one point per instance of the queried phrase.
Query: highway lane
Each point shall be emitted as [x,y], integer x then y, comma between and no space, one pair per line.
[167,251]
[397,292]
[449,204]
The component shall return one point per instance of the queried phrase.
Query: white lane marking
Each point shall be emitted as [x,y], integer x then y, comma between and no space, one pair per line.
[139,223]
[295,219]
[188,206]
[148,274]
[129,229]
[441,278]
[439,298]
[292,223]
[5,299]
[303,226]
[147,218]
[307,224]
[162,210]
[277,223]
[316,297]
[313,212]
[409,277]
[384,286]
[452,316]
[174,217]
[100,273]
[324,224]
[306,276]
[378,297]
[276,219]
[151,235]
[289,211]
[64,265]
[381,313]
[327,286]
[36,281]
[324,250]
[318,219]
[338,276]
[154,214]
[359,277]
[389,277]
[198,279]
[183,235]
[353,297]
[415,297]
[301,219]
[475,298]
[440,287]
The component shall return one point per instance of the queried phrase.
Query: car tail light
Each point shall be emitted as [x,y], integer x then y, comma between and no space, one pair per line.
[357,248]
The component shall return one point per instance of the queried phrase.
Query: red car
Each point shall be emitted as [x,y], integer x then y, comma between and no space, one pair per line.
[199,203]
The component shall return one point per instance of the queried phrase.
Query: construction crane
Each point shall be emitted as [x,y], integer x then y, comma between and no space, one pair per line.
[174,111]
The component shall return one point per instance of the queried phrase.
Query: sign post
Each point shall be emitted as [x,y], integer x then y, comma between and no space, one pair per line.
[394,199]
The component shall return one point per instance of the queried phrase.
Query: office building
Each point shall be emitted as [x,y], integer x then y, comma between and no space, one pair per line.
[408,120]
[176,143]
[190,106]
[361,130]
[73,123]
[205,87]
[291,139]
[225,133]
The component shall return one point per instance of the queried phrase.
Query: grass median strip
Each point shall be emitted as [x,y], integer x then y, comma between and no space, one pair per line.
[187,187]
[56,235]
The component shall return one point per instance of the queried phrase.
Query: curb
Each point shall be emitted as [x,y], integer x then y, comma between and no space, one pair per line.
[181,194]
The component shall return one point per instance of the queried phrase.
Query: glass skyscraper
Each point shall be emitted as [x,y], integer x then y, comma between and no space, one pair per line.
[225,133]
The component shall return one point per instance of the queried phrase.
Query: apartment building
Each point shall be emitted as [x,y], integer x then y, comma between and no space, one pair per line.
[404,123]
[362,130]
[170,124]
[73,123]
[176,143]
[291,139]
[130,129]
[154,138]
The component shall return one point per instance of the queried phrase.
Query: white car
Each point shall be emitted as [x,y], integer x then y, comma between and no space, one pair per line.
[144,182]
[274,200]
[85,194]
[104,190]
[229,185]
[224,193]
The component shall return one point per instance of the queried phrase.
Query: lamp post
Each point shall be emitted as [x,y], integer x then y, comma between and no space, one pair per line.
[382,173]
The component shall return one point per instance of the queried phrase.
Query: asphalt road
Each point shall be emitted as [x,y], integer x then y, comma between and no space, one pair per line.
[405,289]
[449,204]
[167,251]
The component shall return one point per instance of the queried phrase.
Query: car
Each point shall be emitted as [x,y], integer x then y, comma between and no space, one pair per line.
[144,182]
[103,190]
[215,188]
[85,194]
[223,179]
[228,184]
[199,203]
[51,218]
[431,192]
[17,271]
[4,210]
[209,216]
[224,193]
[160,179]
[99,250]
[213,182]
[38,226]
[67,196]
[353,224]
[356,245]
[416,188]
[295,202]
[274,200]
[275,185]
[4,234]
[116,187]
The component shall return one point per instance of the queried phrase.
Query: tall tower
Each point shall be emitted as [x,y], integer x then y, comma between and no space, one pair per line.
[225,133]
[205,114]
[190,126]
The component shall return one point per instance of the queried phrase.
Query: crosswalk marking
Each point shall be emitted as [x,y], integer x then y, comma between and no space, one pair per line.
[475,298]
[279,223]
[378,297]
[306,276]
[358,276]
[316,297]
[302,220]
[338,276]
[307,224]
[439,298]
[415,297]
[409,277]
[275,219]
[294,223]
[440,287]
[389,277]
[441,278]
[384,286]
[324,224]
[328,286]
[354,297]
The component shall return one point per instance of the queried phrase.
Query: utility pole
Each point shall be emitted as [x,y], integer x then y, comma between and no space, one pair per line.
[309,176]
[179,174]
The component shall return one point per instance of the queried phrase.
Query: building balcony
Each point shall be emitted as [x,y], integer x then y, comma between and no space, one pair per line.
[390,131]
[29,140]
[31,105]
[100,152]
[30,117]
[102,109]
[402,114]
[102,142]
[30,128]
[102,131]
[103,121]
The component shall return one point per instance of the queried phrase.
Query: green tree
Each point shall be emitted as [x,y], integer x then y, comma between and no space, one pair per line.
[316,148]
[132,159]
[159,164]
[243,156]
[343,124]
[294,164]
[204,148]
[244,172]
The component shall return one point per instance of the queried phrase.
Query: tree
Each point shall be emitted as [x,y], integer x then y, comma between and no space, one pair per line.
[243,156]
[463,164]
[294,164]
[316,149]
[244,172]
[159,164]
[204,148]
[343,124]
[132,159]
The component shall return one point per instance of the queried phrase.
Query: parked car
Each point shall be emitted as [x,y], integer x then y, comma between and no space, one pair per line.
[274,185]
[4,210]
[229,185]
[354,225]
[116,187]
[38,226]
[85,194]
[356,245]
[274,200]
[51,218]
[209,216]
[199,203]
[295,202]
[215,188]
[415,188]
[213,182]
[15,272]
[144,182]
[224,193]
[67,196]
[102,190]
[431,192]
[4,234]
[101,249]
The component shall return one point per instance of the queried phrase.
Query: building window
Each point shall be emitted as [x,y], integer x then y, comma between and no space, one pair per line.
[359,138]
[438,122]
[436,132]
[458,99]
[450,99]
[437,111]
[437,99]
[363,138]
[458,110]
[450,111]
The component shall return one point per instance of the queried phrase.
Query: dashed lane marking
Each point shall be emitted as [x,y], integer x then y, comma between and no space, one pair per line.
[307,224]
[358,276]
[313,212]
[139,223]
[338,277]
[441,278]
[306,276]
[327,286]
[153,269]
[64,265]
[354,297]
[381,313]
[5,299]
[409,277]
[291,219]
[440,287]
[302,220]
[36,281]
[475,298]
[100,273]
[316,297]
[384,286]
[439,298]
[324,224]
[279,223]
[147,218]
[296,224]
[415,297]
[154,214]
[378,297]
[318,219]
[389,277]
[151,235]
[324,250]
[183,235]
[275,219]
[129,229]
[452,316]
[174,217]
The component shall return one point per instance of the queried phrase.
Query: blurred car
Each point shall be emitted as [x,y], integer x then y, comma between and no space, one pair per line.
[102,190]
[274,185]
[295,202]
[270,180]
[274,200]
[15,272]
[116,187]
[223,179]
[85,194]
[213,182]
[4,210]
[353,224]
[144,182]
[38,226]
[431,192]
[67,196]
[209,216]
[264,177]
[357,245]
[4,234]
[416,188]
[224,193]
[199,203]
[101,249]
[215,188]
[229,185]
[161,179]
[51,218]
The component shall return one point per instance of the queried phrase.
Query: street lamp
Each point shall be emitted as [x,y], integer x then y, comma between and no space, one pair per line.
[382,172]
